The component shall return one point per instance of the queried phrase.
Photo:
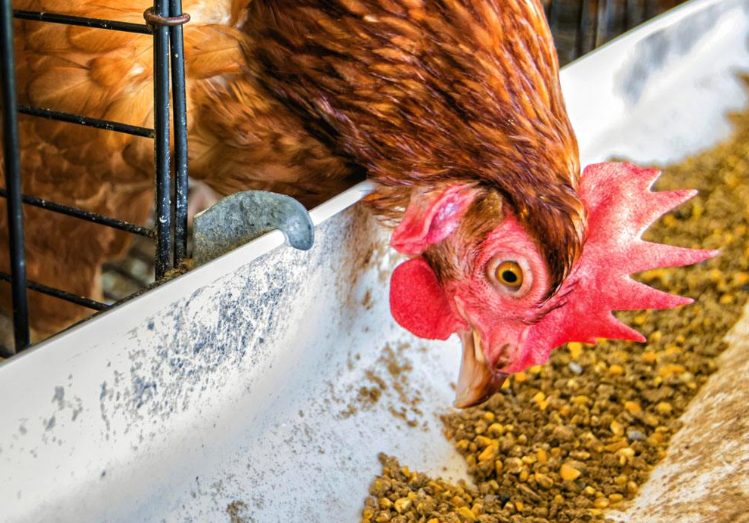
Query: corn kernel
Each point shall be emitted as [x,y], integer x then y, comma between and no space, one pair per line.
[664,407]
[626,452]
[632,407]
[615,498]
[601,503]
[576,349]
[536,369]
[671,369]
[539,397]
[467,513]
[496,429]
[569,473]
[487,453]
[489,416]
[616,428]
[543,458]
[520,377]
[616,370]
[613,447]
[649,356]
[482,441]
[402,505]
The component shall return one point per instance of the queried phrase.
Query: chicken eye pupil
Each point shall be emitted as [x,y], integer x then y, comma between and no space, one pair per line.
[510,274]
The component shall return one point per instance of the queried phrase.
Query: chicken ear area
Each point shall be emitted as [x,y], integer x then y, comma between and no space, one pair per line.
[620,207]
[430,218]
[418,303]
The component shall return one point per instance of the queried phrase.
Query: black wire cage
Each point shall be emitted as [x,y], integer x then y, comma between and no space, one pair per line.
[164,22]
[578,27]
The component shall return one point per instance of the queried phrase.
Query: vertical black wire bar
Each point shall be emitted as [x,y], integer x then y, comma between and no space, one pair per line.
[605,18]
[180,135]
[552,15]
[650,9]
[11,155]
[594,23]
[161,125]
[630,14]
[582,29]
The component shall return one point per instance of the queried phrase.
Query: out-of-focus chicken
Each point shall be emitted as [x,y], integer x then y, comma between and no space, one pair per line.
[452,106]
[240,137]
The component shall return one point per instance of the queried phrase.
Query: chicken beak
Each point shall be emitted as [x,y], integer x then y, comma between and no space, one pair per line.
[477,380]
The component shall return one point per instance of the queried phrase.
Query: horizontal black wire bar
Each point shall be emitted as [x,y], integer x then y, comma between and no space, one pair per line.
[98,23]
[85,120]
[60,294]
[85,215]
[125,274]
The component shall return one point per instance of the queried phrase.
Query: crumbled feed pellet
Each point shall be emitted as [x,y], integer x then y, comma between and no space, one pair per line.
[567,441]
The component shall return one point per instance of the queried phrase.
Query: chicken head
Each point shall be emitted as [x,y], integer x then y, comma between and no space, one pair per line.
[482,276]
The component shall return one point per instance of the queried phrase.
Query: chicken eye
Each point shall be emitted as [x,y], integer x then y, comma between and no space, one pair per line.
[510,274]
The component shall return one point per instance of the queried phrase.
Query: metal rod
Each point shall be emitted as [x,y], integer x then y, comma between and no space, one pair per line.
[84,215]
[125,274]
[85,120]
[180,135]
[594,16]
[82,21]
[162,143]
[11,156]
[582,25]
[57,293]
[605,19]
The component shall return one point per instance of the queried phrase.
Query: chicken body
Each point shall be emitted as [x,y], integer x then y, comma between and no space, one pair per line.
[295,97]
[240,138]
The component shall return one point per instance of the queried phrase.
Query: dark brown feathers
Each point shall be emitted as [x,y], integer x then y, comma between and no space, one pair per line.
[430,92]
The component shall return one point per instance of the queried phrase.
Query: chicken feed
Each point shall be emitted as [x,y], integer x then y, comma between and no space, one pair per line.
[569,440]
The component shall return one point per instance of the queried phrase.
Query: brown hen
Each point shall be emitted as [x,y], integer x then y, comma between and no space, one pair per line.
[298,97]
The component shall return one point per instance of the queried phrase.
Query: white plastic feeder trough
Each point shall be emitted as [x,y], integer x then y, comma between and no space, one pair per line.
[235,387]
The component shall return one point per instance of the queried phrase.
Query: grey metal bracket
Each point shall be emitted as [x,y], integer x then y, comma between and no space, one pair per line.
[244,216]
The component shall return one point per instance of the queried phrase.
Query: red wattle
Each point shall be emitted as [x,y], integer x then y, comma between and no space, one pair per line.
[418,303]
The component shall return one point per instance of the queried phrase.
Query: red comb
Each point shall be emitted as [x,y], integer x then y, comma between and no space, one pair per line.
[620,208]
